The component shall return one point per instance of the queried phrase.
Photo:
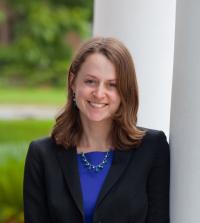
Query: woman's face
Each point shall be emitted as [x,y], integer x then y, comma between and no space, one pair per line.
[95,89]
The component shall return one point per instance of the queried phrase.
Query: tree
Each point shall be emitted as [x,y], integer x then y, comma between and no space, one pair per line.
[45,33]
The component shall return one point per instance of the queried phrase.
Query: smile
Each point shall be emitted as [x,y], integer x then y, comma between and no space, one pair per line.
[97,105]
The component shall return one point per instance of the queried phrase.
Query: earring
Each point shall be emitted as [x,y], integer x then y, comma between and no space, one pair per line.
[74,99]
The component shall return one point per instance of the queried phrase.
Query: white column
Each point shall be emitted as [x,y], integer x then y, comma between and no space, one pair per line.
[185,116]
[147,29]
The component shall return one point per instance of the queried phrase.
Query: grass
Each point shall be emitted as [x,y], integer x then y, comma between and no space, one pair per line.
[12,158]
[41,96]
[23,130]
[15,137]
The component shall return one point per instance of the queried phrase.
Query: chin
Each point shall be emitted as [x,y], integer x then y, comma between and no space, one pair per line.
[97,118]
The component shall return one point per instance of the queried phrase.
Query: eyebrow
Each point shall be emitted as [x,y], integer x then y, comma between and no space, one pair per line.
[97,77]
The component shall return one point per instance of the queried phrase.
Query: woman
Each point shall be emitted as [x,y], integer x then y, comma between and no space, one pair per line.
[98,166]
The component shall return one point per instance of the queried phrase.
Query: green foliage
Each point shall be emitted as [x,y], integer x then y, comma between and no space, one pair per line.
[15,137]
[12,158]
[2,17]
[40,52]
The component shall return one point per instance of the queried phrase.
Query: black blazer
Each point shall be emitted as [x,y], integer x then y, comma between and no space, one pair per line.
[136,189]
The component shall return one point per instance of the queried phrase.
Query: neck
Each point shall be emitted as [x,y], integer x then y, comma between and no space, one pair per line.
[96,137]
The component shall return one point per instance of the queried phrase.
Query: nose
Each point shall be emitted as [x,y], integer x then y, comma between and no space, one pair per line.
[99,92]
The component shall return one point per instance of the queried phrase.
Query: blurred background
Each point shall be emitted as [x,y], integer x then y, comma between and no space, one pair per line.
[37,41]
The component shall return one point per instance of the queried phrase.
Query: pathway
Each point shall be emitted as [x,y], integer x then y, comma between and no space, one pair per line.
[27,111]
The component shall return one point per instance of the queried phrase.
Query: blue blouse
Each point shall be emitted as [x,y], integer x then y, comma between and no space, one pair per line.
[91,181]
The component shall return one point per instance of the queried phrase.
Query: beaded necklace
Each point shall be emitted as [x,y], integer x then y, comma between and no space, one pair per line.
[92,167]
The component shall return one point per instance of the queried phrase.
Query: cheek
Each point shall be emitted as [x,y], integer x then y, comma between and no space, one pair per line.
[116,99]
[82,93]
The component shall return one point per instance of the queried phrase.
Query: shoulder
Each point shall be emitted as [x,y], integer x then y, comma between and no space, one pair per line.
[153,135]
[41,147]
[155,142]
[43,142]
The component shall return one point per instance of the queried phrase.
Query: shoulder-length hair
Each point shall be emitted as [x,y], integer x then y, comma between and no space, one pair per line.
[68,129]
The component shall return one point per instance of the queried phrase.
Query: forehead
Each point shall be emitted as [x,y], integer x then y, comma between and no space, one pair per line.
[99,66]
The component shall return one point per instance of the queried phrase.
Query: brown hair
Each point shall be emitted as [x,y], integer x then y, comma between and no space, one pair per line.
[68,129]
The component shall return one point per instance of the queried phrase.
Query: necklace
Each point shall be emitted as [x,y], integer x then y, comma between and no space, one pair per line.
[92,167]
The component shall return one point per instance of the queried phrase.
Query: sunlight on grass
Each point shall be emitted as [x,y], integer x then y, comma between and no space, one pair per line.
[45,96]
[24,130]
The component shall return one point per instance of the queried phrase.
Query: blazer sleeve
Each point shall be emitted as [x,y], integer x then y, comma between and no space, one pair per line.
[35,205]
[158,183]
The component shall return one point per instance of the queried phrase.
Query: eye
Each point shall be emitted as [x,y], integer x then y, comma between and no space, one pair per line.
[90,81]
[112,85]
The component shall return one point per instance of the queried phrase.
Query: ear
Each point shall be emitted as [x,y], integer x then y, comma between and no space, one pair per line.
[72,81]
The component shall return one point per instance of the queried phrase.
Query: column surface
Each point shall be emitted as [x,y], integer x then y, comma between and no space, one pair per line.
[185,116]
[147,29]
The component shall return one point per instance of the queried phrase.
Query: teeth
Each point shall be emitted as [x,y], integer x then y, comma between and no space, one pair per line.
[97,105]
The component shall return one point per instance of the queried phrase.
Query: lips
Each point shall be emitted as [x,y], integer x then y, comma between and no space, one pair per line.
[97,105]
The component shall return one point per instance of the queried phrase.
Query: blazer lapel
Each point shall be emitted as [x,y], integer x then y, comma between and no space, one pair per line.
[68,161]
[119,164]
